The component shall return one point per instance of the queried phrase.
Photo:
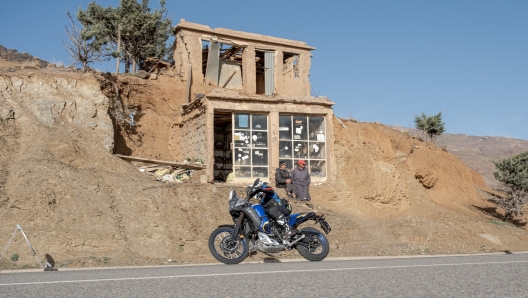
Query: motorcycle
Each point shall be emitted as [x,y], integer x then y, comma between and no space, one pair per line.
[254,230]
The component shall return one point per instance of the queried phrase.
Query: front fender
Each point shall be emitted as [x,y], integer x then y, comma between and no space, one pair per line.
[227,226]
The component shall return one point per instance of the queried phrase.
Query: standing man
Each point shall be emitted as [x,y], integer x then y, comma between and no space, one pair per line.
[301,180]
[281,174]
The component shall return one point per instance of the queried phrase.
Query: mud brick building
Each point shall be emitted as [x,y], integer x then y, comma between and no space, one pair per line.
[249,105]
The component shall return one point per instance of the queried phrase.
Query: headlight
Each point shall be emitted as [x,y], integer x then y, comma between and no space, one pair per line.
[236,203]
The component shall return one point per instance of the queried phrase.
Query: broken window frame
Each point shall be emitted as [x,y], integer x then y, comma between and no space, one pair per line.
[228,54]
[294,57]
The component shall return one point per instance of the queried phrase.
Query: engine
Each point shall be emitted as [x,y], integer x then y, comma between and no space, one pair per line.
[267,244]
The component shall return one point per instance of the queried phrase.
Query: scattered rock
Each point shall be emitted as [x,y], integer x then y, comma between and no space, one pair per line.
[426,178]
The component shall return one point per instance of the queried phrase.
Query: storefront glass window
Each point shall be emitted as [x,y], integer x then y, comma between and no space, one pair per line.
[303,137]
[250,139]
[285,127]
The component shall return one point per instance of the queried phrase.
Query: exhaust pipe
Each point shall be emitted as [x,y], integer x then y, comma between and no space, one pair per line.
[288,244]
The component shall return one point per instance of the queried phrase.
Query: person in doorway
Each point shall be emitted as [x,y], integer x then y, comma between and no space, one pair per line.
[281,174]
[301,179]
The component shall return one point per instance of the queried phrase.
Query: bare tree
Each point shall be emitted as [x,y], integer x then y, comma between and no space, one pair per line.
[81,51]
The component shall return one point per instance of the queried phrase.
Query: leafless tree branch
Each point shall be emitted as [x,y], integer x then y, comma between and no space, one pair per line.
[81,51]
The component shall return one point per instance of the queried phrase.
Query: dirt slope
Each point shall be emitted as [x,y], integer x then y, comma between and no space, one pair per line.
[75,200]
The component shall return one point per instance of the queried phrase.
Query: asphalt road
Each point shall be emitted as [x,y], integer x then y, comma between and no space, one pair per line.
[461,276]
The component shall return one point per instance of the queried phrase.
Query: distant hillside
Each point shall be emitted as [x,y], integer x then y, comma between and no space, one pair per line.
[479,152]
[11,59]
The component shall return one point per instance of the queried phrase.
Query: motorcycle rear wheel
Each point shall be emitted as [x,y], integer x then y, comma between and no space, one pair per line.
[316,246]
[224,249]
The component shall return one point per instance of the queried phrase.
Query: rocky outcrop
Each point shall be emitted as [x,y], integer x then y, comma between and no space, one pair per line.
[426,178]
[13,55]
[69,99]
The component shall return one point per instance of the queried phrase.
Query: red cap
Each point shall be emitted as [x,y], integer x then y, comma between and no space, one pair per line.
[301,162]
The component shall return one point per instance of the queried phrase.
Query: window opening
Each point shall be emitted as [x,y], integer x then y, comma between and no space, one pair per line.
[250,140]
[205,53]
[259,66]
[222,64]
[290,65]
[223,151]
[303,137]
[265,72]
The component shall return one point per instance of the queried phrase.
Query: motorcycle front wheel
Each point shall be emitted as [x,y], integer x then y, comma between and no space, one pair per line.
[314,246]
[224,249]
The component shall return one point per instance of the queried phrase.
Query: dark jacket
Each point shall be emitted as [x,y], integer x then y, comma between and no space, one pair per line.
[280,177]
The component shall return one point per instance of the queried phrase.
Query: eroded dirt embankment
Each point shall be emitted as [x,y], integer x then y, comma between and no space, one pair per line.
[75,200]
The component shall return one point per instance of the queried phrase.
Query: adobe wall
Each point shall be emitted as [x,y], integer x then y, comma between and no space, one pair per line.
[188,55]
[193,130]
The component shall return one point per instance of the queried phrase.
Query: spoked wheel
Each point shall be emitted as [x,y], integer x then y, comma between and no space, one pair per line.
[224,249]
[314,246]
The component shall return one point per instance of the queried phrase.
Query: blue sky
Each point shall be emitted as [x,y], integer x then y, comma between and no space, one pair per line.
[383,61]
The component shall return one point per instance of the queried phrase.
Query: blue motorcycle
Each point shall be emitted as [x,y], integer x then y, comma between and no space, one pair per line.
[254,230]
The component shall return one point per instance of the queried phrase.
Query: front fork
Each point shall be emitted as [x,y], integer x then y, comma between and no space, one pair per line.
[236,230]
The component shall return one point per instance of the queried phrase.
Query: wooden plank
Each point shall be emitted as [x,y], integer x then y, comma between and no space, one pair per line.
[179,171]
[340,122]
[230,52]
[229,79]
[163,162]
[189,81]
[191,105]
[152,169]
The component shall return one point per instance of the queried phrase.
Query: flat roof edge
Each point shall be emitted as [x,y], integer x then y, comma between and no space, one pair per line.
[223,32]
[294,99]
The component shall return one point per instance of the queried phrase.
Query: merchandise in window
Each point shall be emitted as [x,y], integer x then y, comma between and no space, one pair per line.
[285,149]
[300,127]
[303,137]
[250,139]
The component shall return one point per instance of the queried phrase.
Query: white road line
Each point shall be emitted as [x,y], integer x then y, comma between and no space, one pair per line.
[256,272]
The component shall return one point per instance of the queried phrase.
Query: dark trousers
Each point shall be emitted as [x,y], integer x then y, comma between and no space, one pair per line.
[277,210]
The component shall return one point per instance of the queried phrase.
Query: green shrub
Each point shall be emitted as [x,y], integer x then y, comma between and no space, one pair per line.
[432,126]
[512,174]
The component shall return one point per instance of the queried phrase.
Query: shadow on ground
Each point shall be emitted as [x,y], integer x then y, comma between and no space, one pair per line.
[492,211]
